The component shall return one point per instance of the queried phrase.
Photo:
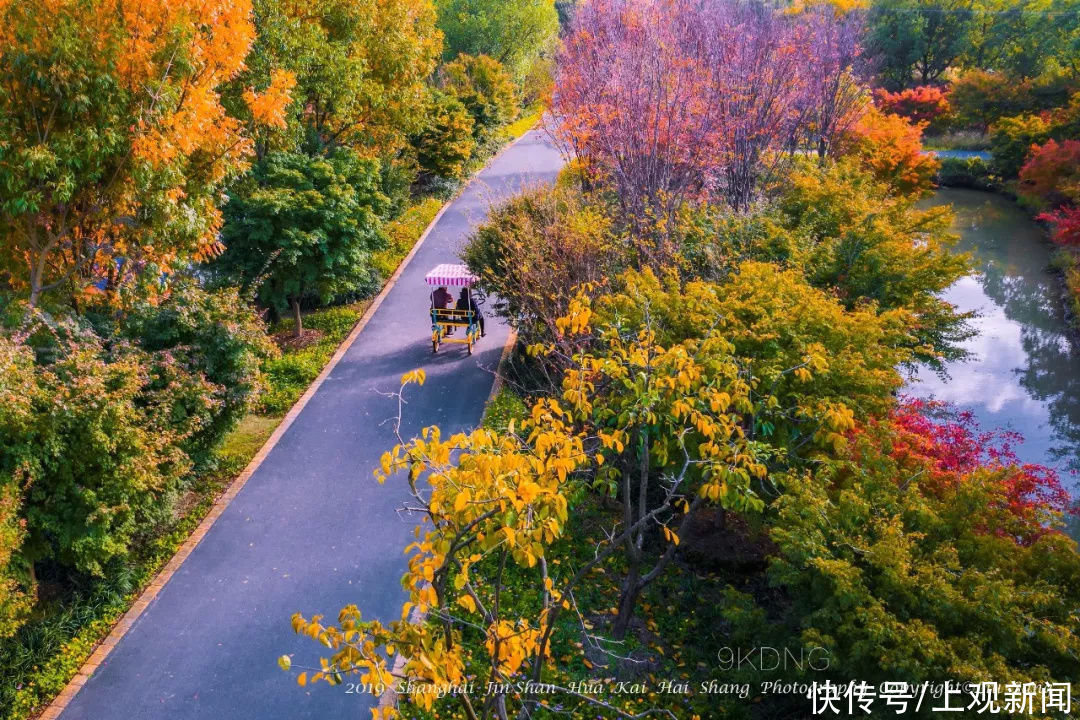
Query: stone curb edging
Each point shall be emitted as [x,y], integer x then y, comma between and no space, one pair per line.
[57,705]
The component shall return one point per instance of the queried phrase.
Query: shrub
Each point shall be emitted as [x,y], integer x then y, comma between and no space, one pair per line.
[1011,139]
[1065,230]
[850,234]
[1051,175]
[485,89]
[214,335]
[99,450]
[892,576]
[774,321]
[922,104]
[980,98]
[891,148]
[971,172]
[536,248]
[446,143]
[17,389]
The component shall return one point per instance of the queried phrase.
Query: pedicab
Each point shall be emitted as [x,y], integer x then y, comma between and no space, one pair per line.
[446,316]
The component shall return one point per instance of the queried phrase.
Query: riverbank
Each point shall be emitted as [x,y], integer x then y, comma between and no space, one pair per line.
[974,172]
[1022,372]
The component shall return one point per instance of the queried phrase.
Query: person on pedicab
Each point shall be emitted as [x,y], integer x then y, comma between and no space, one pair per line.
[465,302]
[440,300]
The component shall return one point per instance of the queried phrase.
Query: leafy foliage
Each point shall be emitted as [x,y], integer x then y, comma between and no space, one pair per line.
[485,89]
[971,172]
[895,579]
[924,104]
[17,388]
[446,143]
[798,341]
[215,335]
[1051,174]
[891,148]
[951,445]
[356,83]
[980,98]
[97,448]
[302,226]
[514,32]
[536,249]
[917,40]
[1066,226]
[851,234]
[704,102]
[125,172]
[1011,140]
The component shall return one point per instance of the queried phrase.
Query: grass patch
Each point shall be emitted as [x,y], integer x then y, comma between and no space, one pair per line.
[507,405]
[960,140]
[242,443]
[404,232]
[290,374]
[525,123]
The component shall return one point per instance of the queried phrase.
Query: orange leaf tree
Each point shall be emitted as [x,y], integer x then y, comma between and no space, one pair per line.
[891,148]
[113,142]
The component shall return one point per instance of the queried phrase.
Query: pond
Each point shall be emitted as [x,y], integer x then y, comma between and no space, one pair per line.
[1023,370]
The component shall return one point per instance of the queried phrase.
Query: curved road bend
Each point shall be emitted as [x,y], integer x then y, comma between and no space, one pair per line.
[312,531]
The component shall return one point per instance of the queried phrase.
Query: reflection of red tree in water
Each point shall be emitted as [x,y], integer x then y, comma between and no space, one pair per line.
[950,444]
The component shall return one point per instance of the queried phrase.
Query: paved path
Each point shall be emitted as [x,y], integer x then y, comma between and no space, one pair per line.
[311,530]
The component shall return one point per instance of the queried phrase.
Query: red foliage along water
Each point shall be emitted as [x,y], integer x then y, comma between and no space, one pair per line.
[1064,224]
[920,104]
[951,443]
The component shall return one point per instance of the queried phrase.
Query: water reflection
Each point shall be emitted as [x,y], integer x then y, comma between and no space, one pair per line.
[1023,368]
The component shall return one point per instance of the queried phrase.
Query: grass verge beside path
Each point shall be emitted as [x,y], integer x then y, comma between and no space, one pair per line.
[39,661]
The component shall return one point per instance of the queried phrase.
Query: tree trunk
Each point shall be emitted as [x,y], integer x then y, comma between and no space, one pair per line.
[295,303]
[627,600]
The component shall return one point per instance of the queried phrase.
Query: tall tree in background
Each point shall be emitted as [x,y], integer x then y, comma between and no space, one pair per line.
[836,96]
[514,32]
[670,100]
[360,69]
[915,41]
[113,142]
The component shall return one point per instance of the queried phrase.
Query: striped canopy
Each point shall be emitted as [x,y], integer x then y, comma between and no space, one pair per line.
[450,275]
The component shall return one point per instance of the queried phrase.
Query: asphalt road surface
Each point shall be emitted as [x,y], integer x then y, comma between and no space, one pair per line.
[312,531]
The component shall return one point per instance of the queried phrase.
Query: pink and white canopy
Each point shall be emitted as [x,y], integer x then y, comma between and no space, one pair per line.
[450,275]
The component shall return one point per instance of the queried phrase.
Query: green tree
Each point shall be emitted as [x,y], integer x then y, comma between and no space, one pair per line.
[212,334]
[446,142]
[359,68]
[485,89]
[304,226]
[850,233]
[514,32]
[915,41]
[1011,140]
